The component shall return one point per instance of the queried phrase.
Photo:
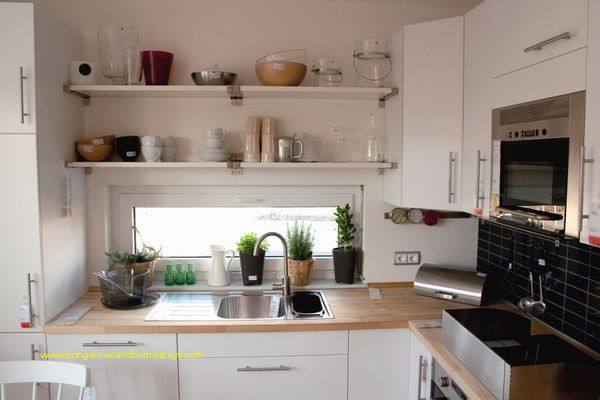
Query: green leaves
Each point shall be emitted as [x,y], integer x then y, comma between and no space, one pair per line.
[300,240]
[346,228]
[247,242]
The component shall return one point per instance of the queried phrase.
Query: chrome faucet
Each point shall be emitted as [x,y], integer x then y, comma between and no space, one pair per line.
[284,284]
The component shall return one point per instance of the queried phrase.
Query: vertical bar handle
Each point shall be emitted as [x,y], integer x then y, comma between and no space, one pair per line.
[422,377]
[584,161]
[451,161]
[478,196]
[21,79]
[29,300]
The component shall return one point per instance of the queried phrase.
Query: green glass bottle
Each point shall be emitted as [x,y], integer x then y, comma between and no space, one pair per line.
[190,275]
[179,275]
[169,278]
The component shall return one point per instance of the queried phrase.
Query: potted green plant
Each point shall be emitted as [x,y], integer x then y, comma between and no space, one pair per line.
[252,266]
[345,255]
[141,259]
[300,240]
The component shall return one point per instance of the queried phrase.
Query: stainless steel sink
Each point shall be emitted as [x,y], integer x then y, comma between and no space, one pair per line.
[214,306]
[252,306]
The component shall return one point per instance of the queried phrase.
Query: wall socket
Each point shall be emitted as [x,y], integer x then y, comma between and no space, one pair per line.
[407,258]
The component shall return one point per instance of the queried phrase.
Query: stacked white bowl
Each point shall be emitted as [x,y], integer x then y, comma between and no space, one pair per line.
[169,149]
[214,146]
[151,148]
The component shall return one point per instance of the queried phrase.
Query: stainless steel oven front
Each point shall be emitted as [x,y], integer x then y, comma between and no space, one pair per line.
[537,163]
[443,387]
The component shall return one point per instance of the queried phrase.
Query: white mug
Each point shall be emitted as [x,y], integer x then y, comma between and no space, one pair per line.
[151,141]
[151,154]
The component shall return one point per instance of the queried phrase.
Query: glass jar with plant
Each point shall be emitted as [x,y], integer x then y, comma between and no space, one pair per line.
[252,266]
[345,255]
[300,240]
[141,259]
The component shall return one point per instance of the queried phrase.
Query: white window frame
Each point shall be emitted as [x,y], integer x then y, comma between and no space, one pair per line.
[125,198]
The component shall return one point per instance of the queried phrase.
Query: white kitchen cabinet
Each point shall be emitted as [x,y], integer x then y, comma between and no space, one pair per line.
[477,138]
[22,346]
[378,364]
[420,363]
[120,377]
[17,68]
[521,24]
[591,187]
[19,232]
[432,114]
[265,366]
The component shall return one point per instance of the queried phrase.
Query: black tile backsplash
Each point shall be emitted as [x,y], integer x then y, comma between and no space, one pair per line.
[570,277]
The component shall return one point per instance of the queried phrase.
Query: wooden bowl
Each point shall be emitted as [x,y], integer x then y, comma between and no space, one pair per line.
[95,152]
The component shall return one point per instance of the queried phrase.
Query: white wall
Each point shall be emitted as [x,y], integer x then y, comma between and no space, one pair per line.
[235,33]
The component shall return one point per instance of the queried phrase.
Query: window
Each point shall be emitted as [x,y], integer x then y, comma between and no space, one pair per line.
[184,221]
[187,231]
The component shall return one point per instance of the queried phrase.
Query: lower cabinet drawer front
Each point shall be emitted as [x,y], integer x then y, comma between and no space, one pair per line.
[130,367]
[293,378]
[265,344]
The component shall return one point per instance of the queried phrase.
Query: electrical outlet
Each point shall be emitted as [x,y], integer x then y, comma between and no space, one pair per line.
[407,258]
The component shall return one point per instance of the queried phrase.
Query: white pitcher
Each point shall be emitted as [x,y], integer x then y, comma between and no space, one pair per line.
[219,271]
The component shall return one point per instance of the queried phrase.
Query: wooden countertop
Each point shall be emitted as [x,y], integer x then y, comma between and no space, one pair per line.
[352,309]
[429,334]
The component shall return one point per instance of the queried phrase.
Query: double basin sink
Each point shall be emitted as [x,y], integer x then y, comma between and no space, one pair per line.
[239,306]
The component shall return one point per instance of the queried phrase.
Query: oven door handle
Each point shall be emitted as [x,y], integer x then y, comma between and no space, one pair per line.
[584,161]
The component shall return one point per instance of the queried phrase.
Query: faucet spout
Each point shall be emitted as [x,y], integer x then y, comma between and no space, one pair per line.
[285,285]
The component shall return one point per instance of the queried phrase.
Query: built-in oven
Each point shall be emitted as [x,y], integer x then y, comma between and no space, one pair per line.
[536,163]
[443,387]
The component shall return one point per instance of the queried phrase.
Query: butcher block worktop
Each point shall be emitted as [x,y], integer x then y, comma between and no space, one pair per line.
[352,309]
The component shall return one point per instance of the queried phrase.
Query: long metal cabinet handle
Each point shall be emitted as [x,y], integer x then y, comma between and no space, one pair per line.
[581,183]
[21,79]
[109,344]
[29,299]
[451,160]
[264,369]
[422,377]
[538,46]
[478,196]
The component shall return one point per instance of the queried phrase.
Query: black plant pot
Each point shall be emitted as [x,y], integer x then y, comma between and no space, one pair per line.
[344,265]
[252,268]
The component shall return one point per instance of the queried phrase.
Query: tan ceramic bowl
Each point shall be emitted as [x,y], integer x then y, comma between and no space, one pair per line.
[106,139]
[95,152]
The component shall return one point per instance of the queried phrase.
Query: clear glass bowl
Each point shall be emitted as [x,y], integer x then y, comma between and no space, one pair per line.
[284,68]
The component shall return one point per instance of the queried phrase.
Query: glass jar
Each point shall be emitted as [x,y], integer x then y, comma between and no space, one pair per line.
[112,39]
[372,62]
[327,71]
[374,143]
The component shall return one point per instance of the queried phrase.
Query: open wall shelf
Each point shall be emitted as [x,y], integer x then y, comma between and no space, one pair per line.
[233,92]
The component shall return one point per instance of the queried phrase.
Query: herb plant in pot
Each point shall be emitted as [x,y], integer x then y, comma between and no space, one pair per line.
[252,266]
[345,255]
[300,242]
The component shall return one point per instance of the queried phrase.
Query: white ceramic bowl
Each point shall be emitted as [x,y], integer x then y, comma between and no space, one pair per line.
[214,144]
[168,153]
[215,154]
[217,133]
[169,141]
[151,153]
[151,141]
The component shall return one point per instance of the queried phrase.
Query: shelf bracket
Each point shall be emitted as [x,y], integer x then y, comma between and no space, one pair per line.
[85,97]
[382,99]
[381,171]
[235,167]
[235,95]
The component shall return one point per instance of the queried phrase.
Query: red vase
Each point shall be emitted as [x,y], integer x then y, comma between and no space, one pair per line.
[156,65]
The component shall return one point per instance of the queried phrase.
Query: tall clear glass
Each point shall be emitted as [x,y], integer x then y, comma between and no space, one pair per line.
[112,39]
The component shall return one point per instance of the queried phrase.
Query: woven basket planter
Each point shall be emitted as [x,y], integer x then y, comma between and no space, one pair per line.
[145,265]
[300,271]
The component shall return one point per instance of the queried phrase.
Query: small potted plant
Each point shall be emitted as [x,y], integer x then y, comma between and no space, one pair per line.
[141,259]
[252,266]
[344,256]
[300,241]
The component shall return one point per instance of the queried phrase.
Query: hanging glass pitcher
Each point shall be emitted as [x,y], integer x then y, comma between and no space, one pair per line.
[372,62]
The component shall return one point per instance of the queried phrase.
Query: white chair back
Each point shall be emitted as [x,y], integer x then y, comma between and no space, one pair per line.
[35,372]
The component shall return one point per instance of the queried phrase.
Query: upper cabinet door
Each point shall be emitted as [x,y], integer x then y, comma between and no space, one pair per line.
[433,114]
[527,32]
[477,137]
[17,79]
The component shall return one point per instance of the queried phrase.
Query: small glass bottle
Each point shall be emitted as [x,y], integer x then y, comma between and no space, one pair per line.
[374,147]
[169,278]
[179,275]
[190,276]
